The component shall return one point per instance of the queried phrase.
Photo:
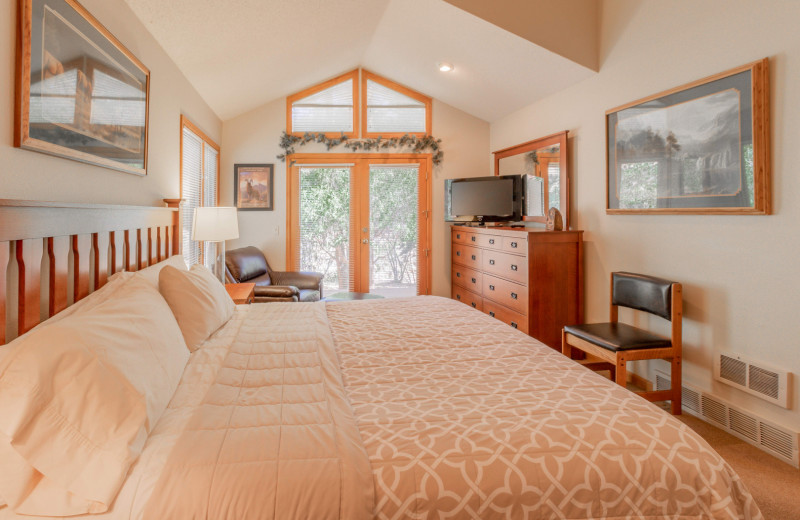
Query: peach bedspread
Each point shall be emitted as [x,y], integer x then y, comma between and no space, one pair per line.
[443,412]
[465,417]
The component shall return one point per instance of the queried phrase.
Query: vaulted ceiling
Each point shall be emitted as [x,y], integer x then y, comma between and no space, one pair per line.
[240,55]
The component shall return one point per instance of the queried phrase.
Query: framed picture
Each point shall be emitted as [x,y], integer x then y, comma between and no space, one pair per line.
[702,148]
[253,186]
[80,93]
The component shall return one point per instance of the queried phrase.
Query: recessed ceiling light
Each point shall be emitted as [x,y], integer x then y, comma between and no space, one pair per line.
[445,67]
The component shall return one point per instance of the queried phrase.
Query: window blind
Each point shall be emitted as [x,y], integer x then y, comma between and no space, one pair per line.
[391,111]
[330,110]
[198,188]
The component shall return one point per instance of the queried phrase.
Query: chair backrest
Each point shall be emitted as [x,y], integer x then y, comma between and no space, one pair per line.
[641,292]
[246,263]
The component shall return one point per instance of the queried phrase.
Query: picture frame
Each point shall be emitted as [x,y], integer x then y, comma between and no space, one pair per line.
[253,187]
[80,93]
[701,148]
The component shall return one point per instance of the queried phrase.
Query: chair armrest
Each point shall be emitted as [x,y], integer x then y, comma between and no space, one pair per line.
[276,291]
[299,279]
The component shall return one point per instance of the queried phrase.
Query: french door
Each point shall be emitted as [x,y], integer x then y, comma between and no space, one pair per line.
[363,220]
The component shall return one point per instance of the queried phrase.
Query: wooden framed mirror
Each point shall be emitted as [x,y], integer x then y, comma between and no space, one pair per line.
[543,161]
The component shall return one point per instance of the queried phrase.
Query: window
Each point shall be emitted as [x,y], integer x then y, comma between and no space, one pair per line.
[386,108]
[390,110]
[328,107]
[199,180]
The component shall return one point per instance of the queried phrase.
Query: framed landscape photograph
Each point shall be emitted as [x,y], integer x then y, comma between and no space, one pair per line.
[702,148]
[253,186]
[80,93]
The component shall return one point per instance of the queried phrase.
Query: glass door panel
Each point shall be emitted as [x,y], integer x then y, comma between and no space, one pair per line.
[325,225]
[393,230]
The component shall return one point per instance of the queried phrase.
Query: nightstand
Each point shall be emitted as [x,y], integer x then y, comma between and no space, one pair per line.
[241,293]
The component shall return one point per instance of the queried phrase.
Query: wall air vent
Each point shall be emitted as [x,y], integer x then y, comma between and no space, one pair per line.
[753,376]
[778,441]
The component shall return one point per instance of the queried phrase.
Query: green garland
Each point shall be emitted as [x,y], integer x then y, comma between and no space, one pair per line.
[289,143]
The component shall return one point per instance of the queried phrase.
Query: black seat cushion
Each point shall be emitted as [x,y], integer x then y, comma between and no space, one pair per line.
[617,336]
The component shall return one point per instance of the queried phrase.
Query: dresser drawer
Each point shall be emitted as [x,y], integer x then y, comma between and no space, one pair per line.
[515,319]
[468,297]
[468,278]
[506,265]
[509,294]
[490,241]
[464,237]
[518,245]
[466,255]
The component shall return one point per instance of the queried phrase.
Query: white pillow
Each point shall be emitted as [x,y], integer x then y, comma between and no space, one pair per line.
[79,395]
[151,273]
[198,300]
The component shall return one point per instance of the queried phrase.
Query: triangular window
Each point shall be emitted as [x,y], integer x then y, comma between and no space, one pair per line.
[328,108]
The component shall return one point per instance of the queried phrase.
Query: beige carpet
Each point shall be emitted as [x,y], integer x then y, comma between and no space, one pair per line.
[774,484]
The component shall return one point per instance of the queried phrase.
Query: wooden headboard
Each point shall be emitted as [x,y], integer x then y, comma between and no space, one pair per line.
[54,254]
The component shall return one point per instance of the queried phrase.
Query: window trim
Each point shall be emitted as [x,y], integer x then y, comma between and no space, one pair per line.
[207,141]
[426,100]
[353,74]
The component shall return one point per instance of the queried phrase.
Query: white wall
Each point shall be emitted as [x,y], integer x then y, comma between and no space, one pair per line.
[31,175]
[740,273]
[253,138]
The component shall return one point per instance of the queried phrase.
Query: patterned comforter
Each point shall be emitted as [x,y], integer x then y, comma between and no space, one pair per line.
[465,417]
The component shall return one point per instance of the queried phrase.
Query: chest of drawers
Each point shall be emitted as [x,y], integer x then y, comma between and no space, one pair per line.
[530,279]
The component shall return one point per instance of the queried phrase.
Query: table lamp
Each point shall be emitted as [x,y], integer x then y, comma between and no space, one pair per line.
[216,224]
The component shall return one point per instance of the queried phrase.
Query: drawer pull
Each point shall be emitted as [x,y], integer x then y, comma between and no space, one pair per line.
[474,280]
[491,241]
[458,236]
[491,262]
[458,275]
[513,295]
[473,257]
[514,324]
[458,253]
[491,313]
[458,296]
[474,304]
[514,245]
[473,239]
[491,287]
[513,267]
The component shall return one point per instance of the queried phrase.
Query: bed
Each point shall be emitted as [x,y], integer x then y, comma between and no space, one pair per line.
[409,408]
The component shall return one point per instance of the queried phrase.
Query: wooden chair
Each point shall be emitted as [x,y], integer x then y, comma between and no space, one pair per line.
[613,344]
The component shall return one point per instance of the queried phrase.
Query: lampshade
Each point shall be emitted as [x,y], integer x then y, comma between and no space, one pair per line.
[215,224]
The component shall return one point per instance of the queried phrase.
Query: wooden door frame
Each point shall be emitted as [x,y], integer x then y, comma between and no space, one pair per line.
[363,160]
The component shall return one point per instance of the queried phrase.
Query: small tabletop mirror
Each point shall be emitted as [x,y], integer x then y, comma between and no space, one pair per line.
[543,163]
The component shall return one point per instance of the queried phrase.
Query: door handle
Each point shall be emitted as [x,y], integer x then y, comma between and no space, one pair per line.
[365,241]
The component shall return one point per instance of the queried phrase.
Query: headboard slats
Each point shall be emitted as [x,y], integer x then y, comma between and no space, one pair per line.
[29,277]
[57,274]
[5,248]
[100,247]
[81,268]
[54,254]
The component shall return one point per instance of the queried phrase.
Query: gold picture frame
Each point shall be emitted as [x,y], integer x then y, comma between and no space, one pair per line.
[701,148]
[80,94]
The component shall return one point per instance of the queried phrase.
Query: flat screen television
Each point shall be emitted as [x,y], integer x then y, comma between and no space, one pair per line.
[483,199]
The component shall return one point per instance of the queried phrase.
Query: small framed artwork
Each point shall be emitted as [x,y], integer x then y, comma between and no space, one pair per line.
[702,148]
[253,186]
[80,93]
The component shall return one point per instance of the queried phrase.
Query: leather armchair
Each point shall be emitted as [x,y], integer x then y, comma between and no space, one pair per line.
[248,264]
